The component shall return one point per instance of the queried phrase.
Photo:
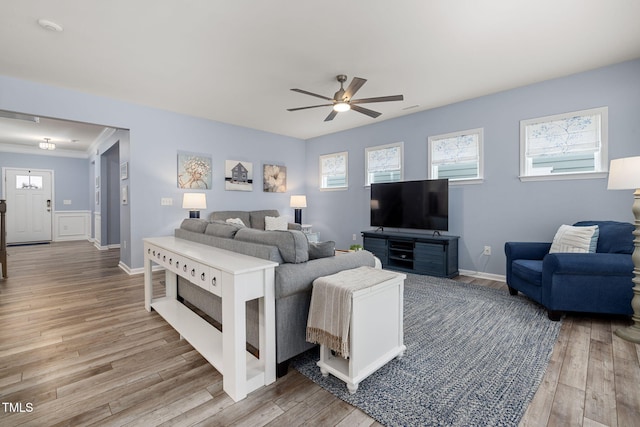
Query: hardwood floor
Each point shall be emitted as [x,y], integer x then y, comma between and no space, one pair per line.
[78,348]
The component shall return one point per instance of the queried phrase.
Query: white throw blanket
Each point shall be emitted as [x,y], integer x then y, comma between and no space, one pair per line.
[330,309]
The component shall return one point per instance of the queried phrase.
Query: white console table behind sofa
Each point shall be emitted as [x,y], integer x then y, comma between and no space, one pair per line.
[236,278]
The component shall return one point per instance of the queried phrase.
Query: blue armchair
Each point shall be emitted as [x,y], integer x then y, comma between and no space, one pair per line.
[597,282]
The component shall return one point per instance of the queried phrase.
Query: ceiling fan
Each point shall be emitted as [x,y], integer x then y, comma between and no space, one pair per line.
[343,99]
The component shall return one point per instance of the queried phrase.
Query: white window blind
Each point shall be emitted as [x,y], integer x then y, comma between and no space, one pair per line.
[578,134]
[565,146]
[458,149]
[456,156]
[333,171]
[384,163]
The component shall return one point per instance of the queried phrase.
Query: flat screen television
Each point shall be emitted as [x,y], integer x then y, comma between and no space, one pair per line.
[411,204]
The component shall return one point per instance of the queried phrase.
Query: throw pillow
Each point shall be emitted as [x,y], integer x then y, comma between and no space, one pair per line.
[276,223]
[236,221]
[569,238]
[322,249]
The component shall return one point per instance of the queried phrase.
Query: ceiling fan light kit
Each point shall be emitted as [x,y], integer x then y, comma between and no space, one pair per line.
[341,107]
[343,99]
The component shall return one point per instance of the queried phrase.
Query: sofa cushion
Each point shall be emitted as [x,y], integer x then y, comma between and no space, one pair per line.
[222,229]
[528,269]
[322,249]
[277,223]
[225,215]
[293,245]
[581,239]
[615,237]
[196,225]
[257,218]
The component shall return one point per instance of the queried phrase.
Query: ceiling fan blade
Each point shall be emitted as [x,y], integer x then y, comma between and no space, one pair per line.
[311,106]
[312,94]
[331,115]
[354,86]
[366,111]
[377,99]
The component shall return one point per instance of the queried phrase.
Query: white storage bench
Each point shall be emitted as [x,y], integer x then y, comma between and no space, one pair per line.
[375,328]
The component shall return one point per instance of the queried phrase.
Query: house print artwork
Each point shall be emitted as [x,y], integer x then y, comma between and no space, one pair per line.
[194,171]
[274,179]
[238,176]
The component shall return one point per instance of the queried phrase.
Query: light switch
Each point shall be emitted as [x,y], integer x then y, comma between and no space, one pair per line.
[66,202]
[166,201]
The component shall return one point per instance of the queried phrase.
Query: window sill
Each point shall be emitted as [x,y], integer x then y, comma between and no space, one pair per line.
[564,176]
[472,181]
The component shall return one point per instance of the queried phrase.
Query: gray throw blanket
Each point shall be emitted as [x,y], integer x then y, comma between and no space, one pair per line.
[330,309]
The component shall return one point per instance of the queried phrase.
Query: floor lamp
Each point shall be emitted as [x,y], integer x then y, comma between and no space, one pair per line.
[624,174]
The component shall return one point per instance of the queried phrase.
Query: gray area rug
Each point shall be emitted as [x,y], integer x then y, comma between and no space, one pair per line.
[475,357]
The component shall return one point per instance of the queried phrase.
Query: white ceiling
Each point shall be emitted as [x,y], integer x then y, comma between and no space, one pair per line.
[235,61]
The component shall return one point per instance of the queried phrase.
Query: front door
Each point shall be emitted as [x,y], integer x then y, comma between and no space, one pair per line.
[29,205]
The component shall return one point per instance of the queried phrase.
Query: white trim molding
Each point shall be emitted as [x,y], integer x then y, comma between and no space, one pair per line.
[481,275]
[71,225]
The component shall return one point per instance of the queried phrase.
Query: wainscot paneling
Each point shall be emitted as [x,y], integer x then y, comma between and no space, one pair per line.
[71,225]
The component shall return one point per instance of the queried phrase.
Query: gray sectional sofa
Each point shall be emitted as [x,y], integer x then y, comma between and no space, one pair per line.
[300,263]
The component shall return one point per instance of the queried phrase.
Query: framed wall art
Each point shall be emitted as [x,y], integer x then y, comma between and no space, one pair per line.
[194,171]
[238,176]
[274,178]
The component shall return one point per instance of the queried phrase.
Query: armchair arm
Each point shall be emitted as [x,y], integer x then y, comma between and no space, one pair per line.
[526,250]
[294,226]
[591,264]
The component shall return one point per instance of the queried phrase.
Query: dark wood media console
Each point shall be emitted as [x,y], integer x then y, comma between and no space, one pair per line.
[414,252]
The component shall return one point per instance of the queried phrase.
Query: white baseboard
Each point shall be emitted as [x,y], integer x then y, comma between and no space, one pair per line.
[140,270]
[481,275]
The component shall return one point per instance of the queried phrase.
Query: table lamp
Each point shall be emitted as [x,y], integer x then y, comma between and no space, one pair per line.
[298,202]
[624,174]
[194,202]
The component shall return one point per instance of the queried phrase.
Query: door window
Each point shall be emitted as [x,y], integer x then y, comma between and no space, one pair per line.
[28,182]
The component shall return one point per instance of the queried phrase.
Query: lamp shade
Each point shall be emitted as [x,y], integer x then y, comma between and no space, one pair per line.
[194,201]
[624,174]
[298,201]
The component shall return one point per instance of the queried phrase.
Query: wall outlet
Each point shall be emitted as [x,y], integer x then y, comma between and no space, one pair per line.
[354,237]
[487,250]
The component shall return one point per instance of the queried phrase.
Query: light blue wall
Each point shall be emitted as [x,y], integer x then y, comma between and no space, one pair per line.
[154,139]
[70,176]
[502,208]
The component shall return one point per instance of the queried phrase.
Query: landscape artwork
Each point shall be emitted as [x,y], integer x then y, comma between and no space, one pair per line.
[274,179]
[238,176]
[194,171]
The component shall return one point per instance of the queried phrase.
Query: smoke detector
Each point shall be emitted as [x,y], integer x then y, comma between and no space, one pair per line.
[50,25]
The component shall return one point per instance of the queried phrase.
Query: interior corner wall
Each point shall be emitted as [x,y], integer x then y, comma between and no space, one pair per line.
[155,137]
[502,208]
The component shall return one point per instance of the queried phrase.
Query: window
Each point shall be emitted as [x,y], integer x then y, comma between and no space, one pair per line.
[564,146]
[28,182]
[456,156]
[383,163]
[334,171]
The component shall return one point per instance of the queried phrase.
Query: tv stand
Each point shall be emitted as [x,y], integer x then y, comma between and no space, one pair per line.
[433,255]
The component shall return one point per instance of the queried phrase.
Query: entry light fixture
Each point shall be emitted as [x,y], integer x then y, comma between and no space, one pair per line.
[47,145]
